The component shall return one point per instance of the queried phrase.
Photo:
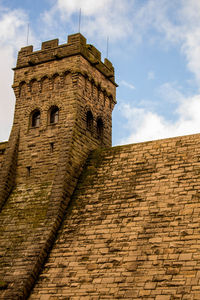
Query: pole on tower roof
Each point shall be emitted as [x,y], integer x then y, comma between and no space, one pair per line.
[79,23]
[27,34]
[107,47]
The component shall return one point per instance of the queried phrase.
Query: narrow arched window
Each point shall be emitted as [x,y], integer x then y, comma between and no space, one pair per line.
[89,120]
[99,127]
[54,114]
[35,120]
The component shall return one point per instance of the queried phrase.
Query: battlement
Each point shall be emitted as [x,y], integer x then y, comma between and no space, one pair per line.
[51,50]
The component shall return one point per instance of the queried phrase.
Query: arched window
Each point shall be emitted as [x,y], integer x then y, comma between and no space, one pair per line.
[89,118]
[99,127]
[54,114]
[35,120]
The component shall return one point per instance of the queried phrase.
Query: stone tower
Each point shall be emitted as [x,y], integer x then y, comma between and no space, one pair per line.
[64,98]
[64,101]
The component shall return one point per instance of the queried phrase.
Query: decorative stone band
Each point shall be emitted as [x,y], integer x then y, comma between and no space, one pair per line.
[62,75]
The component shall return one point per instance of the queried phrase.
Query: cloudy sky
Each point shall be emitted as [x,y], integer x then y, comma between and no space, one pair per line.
[154,46]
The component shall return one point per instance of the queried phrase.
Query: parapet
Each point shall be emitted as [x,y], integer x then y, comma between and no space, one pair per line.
[51,50]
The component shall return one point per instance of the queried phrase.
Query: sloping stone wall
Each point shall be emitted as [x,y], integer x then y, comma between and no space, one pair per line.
[23,231]
[9,166]
[132,228]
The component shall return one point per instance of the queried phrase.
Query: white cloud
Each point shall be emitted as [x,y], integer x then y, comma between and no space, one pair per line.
[174,22]
[181,28]
[12,23]
[99,18]
[88,7]
[170,92]
[167,23]
[178,23]
[191,49]
[127,84]
[146,125]
[12,37]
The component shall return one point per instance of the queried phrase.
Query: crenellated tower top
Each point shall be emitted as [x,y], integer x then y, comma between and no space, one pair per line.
[76,44]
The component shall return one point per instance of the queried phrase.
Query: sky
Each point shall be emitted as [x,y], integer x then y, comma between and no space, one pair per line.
[154,46]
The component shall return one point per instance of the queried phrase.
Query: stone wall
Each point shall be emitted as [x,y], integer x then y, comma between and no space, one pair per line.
[23,226]
[132,228]
[43,162]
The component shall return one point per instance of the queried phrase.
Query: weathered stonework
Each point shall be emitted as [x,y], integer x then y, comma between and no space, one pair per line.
[43,158]
[129,229]
[132,229]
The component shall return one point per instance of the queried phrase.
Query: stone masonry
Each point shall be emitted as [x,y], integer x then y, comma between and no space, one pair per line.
[132,228]
[64,101]
[80,219]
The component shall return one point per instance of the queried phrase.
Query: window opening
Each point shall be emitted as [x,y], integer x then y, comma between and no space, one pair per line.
[28,171]
[2,151]
[89,120]
[35,119]
[54,115]
[51,147]
[100,127]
